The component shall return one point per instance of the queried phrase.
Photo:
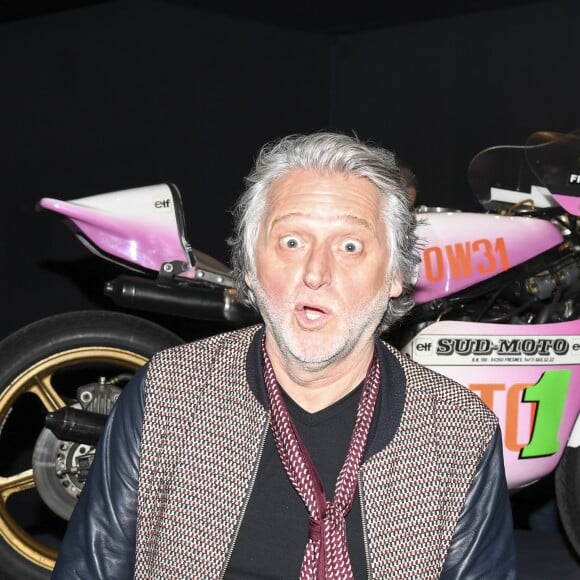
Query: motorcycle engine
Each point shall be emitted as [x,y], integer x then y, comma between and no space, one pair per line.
[544,290]
[547,296]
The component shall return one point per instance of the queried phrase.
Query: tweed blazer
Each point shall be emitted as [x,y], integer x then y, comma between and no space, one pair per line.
[202,435]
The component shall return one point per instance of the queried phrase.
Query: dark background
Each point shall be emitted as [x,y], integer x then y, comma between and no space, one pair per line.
[99,96]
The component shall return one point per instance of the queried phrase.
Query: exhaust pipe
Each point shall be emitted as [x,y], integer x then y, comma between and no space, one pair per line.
[70,424]
[180,299]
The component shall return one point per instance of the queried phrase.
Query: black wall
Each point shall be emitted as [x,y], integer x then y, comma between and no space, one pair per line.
[439,92]
[124,94]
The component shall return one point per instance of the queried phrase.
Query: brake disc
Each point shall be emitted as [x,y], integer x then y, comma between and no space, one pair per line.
[61,467]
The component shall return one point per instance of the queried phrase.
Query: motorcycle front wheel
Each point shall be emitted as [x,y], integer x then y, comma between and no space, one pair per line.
[567,481]
[42,367]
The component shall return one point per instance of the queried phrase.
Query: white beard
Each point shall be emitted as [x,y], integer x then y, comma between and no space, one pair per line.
[315,350]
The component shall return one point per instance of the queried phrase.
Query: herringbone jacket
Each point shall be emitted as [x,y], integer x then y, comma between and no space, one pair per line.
[412,491]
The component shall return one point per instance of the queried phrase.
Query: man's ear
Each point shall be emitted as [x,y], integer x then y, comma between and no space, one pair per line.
[396,288]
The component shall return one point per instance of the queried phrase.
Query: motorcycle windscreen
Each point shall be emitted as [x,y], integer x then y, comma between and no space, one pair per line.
[554,158]
[528,375]
[543,173]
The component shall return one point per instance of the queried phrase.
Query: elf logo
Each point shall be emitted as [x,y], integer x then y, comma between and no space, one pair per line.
[162,203]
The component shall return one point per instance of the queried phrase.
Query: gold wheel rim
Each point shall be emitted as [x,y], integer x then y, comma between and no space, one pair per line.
[37,380]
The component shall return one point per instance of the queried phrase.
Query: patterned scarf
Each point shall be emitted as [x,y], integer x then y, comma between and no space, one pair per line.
[326,556]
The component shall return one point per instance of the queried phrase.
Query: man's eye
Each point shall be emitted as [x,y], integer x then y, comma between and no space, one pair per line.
[351,246]
[290,242]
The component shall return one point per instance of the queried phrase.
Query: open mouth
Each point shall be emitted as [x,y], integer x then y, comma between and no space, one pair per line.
[312,313]
[311,317]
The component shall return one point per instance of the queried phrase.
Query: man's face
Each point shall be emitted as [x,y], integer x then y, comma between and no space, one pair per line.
[321,266]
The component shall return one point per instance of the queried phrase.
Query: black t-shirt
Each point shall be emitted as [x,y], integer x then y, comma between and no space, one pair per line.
[274,530]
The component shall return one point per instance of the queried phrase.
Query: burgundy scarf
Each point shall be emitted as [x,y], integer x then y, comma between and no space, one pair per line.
[326,556]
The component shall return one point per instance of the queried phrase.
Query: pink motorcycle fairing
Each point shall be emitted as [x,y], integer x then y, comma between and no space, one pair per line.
[462,249]
[529,376]
[142,228]
[569,202]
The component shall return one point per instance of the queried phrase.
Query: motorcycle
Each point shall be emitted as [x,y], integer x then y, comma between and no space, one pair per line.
[497,309]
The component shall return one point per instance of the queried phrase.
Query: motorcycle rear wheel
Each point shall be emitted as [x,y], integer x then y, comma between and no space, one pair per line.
[42,365]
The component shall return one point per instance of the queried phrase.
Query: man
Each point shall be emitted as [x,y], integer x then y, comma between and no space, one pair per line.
[306,448]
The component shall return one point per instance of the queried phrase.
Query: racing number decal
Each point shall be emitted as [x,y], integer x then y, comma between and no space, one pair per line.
[489,253]
[547,398]
[483,256]
[549,394]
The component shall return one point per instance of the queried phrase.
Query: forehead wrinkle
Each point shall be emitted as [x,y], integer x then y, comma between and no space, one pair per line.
[348,218]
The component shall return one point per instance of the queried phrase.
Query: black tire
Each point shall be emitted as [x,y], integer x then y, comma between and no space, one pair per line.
[40,366]
[567,482]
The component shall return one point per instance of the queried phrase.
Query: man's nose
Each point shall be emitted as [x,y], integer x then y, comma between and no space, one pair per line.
[317,268]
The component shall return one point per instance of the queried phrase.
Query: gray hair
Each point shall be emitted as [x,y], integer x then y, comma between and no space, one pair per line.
[330,153]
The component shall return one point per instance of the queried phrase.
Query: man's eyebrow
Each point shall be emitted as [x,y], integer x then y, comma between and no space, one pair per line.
[358,220]
[285,217]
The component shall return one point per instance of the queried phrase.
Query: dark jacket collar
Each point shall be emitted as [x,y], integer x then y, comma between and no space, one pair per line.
[391,398]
